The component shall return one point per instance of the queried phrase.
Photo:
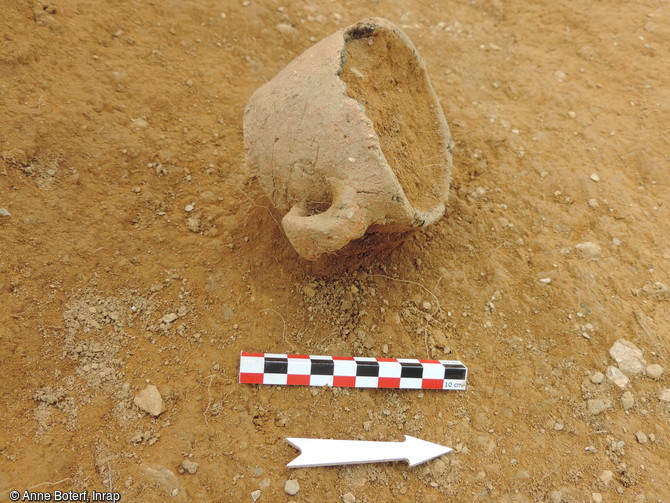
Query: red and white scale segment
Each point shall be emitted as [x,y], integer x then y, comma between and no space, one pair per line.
[351,371]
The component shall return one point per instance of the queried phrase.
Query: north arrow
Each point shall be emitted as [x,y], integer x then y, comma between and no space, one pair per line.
[324,452]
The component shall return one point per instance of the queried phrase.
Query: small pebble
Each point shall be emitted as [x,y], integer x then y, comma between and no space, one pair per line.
[4,212]
[641,437]
[286,28]
[557,495]
[597,498]
[150,401]
[664,396]
[193,224]
[595,177]
[348,498]
[617,377]
[255,495]
[597,378]
[627,400]
[522,474]
[189,208]
[588,249]
[190,466]
[139,122]
[628,356]
[291,487]
[161,477]
[606,478]
[598,405]
[655,371]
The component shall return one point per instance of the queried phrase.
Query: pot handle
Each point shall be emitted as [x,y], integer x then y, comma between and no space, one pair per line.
[329,231]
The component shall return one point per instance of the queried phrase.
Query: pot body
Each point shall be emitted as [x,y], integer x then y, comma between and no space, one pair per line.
[320,154]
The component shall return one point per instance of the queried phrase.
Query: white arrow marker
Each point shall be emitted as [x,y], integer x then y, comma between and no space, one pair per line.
[324,452]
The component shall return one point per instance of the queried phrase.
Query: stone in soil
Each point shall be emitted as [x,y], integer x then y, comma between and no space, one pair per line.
[522,474]
[664,395]
[606,478]
[157,475]
[557,495]
[656,289]
[597,378]
[628,356]
[291,487]
[169,318]
[655,371]
[150,400]
[193,223]
[617,377]
[598,405]
[641,437]
[627,400]
[255,495]
[588,249]
[190,466]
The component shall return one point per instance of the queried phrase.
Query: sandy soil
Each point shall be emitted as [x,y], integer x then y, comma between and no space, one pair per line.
[118,116]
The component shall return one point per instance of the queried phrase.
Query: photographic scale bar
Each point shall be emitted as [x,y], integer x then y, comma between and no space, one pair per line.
[351,371]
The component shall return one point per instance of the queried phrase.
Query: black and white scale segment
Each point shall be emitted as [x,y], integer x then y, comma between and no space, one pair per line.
[351,371]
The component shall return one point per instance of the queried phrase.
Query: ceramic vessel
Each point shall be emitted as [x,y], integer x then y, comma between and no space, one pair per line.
[349,141]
